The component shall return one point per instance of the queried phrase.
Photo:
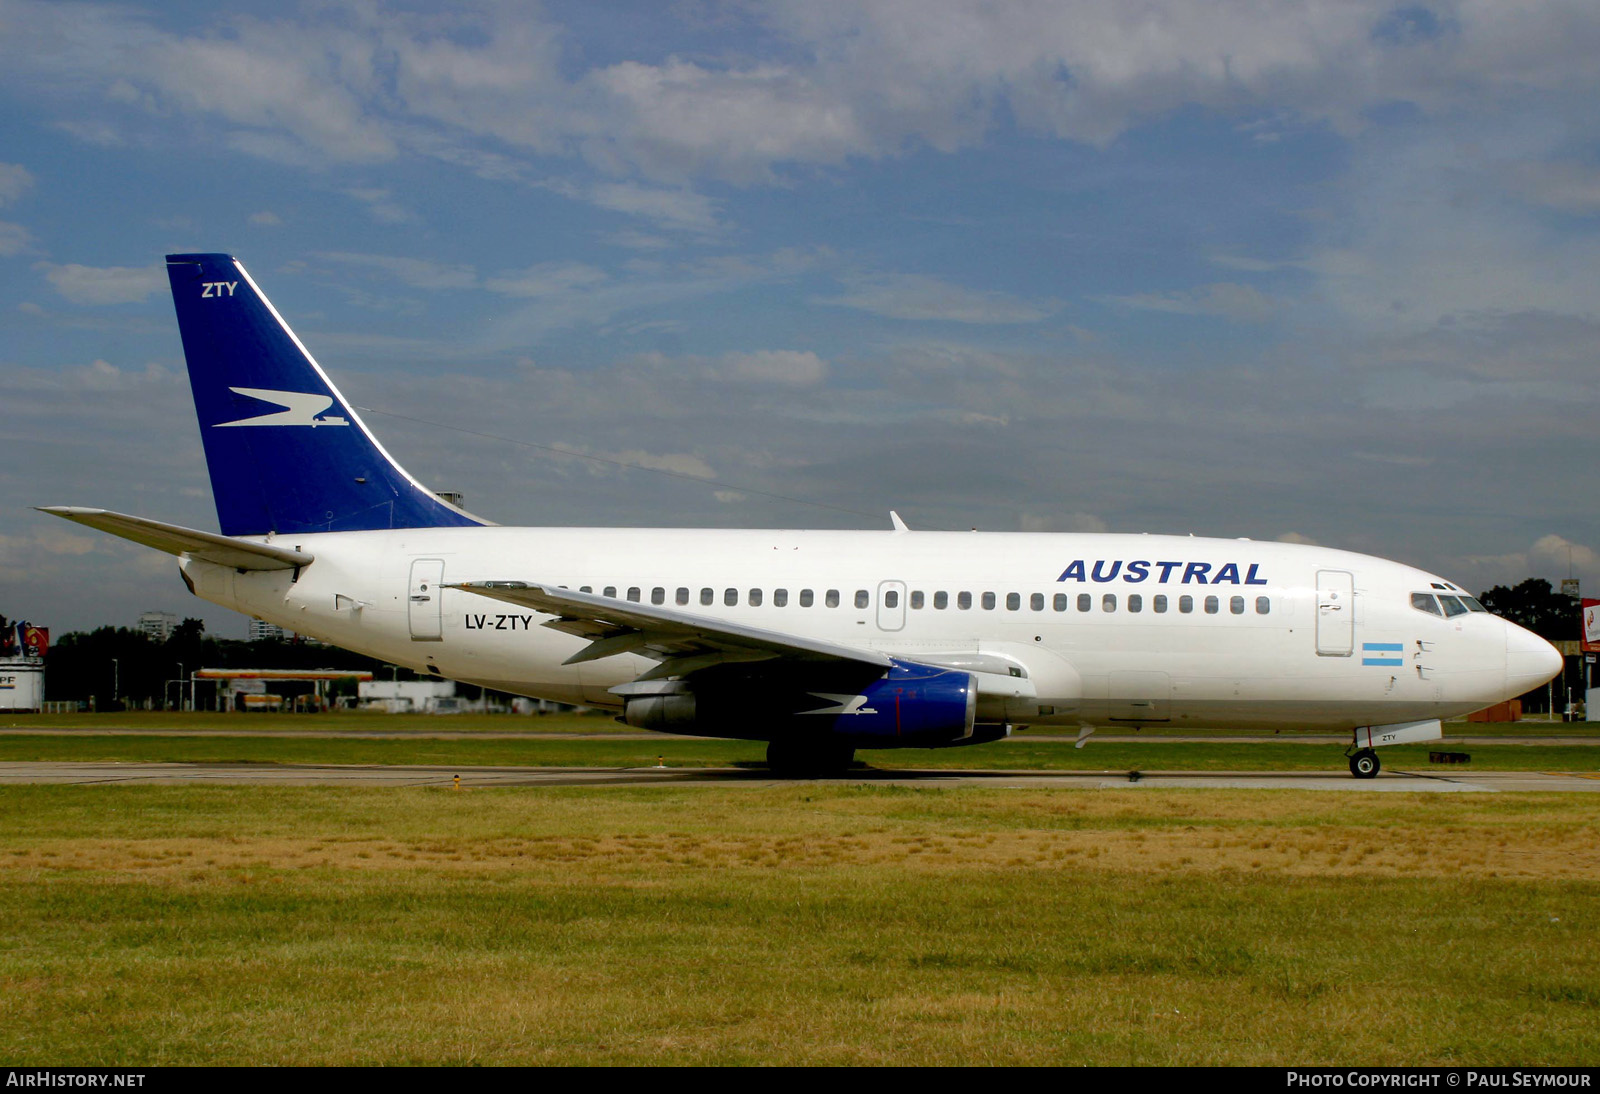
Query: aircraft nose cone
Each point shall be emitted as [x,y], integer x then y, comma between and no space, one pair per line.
[1530,660]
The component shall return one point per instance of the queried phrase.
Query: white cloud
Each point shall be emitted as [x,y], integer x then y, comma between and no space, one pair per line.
[1030,521]
[104,284]
[381,205]
[14,239]
[1551,557]
[838,80]
[313,84]
[548,279]
[776,366]
[1553,554]
[1227,299]
[915,296]
[679,463]
[680,210]
[419,273]
[36,551]
[15,180]
[1569,187]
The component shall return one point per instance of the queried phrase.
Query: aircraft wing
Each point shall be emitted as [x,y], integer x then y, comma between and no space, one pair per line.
[682,642]
[241,554]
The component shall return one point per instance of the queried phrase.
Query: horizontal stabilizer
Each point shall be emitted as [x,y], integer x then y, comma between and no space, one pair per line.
[241,554]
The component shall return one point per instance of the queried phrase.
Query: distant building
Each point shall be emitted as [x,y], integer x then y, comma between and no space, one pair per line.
[158,626]
[262,631]
[22,650]
[276,689]
[413,696]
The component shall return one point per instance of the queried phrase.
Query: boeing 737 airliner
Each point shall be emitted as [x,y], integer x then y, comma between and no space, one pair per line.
[819,643]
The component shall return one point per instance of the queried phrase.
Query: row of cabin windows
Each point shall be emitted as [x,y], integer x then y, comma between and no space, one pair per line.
[1061,602]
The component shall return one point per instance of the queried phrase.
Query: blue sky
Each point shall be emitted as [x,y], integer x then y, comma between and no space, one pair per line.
[1319,271]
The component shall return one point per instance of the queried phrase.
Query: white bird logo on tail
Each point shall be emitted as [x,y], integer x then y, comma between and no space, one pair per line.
[299,408]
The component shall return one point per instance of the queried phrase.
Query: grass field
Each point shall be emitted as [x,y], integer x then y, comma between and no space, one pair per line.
[574,722]
[801,924]
[1020,753]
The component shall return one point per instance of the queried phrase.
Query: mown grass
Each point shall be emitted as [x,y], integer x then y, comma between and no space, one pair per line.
[795,924]
[1016,754]
[591,722]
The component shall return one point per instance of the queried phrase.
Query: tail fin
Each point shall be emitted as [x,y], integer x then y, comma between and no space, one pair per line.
[286,452]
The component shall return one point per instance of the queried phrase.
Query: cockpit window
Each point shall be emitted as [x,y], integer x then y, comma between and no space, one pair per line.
[1452,606]
[1424,602]
[1472,604]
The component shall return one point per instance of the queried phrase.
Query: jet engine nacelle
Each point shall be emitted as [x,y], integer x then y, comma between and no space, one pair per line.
[911,706]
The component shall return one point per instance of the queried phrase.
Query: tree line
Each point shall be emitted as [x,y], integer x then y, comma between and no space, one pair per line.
[119,663]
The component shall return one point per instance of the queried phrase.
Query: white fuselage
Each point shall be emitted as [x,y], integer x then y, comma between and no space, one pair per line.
[1297,636]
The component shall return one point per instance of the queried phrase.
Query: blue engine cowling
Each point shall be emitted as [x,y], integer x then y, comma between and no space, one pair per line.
[910,706]
[914,706]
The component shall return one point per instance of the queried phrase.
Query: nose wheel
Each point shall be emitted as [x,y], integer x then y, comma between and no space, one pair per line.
[1364,764]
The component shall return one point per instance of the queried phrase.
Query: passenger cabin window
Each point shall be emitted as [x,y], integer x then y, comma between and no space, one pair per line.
[1135,602]
[633,593]
[1263,605]
[1213,605]
[586,588]
[1108,603]
[806,598]
[964,601]
[861,598]
[891,599]
[658,595]
[682,596]
[941,601]
[611,591]
[832,599]
[1085,602]
[755,598]
[1452,606]
[1185,604]
[988,602]
[916,599]
[1013,601]
[730,597]
[1236,605]
[1059,602]
[707,596]
[1159,603]
[780,598]
[1036,602]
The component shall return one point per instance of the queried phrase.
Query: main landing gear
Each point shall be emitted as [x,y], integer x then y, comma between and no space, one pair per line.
[1364,764]
[808,760]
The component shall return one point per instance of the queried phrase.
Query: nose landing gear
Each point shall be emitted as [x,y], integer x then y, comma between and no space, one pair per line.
[1364,764]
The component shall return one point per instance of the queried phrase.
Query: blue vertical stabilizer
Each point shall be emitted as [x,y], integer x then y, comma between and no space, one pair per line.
[286,451]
